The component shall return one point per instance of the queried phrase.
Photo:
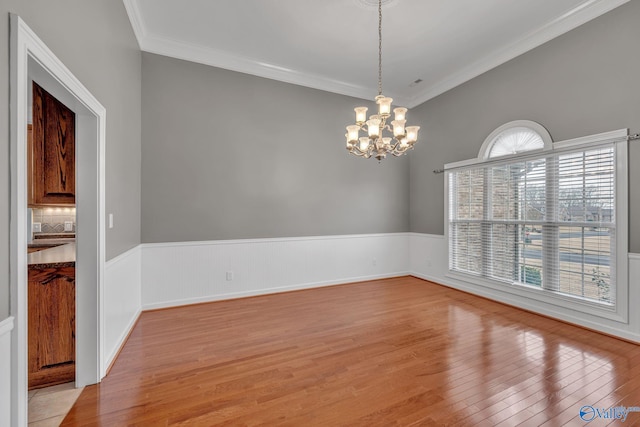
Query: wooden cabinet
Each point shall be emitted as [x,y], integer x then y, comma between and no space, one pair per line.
[52,152]
[52,313]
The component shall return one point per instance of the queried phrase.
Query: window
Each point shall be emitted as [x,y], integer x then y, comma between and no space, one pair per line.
[515,140]
[539,219]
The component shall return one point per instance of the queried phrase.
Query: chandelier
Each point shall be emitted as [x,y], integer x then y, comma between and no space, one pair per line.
[376,144]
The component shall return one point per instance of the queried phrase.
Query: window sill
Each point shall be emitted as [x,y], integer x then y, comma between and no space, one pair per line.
[577,304]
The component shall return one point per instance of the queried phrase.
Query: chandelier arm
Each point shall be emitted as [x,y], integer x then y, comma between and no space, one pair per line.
[401,151]
[364,154]
[397,150]
[356,151]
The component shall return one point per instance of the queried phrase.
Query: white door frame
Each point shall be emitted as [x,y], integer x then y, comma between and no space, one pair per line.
[29,55]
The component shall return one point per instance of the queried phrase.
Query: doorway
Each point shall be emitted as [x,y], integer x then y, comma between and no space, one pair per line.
[30,58]
[51,290]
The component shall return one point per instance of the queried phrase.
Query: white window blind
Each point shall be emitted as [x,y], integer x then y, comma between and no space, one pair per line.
[544,221]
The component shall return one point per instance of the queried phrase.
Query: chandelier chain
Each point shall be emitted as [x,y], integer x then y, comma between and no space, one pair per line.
[379,47]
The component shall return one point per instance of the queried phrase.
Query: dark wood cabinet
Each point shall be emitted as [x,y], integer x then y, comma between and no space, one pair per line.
[52,152]
[52,313]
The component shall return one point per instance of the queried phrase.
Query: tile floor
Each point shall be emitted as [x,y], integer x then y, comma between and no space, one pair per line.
[48,406]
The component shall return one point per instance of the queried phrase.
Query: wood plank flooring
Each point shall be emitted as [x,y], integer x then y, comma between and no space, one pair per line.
[399,351]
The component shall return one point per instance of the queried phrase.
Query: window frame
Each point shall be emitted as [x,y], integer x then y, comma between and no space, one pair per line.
[620,311]
[487,145]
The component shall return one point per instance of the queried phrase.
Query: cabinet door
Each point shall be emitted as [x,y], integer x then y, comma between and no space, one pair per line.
[52,314]
[54,151]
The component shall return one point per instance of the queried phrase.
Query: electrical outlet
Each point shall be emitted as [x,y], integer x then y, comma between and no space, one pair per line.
[37,227]
[229,276]
[110,220]
[68,226]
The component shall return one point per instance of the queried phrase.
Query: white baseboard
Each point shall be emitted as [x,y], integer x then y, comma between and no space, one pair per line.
[6,326]
[122,302]
[429,261]
[266,291]
[191,272]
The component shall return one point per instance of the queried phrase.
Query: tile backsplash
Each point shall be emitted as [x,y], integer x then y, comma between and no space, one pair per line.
[52,220]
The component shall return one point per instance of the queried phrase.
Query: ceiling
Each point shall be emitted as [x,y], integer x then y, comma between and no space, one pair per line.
[332,45]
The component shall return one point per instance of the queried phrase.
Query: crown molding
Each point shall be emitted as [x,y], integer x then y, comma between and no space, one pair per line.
[221,59]
[153,43]
[574,18]
[135,17]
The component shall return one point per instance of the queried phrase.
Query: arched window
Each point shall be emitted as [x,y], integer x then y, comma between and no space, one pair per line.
[543,220]
[515,137]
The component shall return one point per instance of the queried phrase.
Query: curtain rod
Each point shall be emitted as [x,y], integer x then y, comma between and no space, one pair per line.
[634,137]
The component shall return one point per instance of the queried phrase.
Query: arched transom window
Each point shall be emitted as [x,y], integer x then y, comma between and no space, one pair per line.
[515,137]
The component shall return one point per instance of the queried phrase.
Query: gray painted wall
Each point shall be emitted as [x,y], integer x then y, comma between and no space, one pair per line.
[584,82]
[286,173]
[228,155]
[95,41]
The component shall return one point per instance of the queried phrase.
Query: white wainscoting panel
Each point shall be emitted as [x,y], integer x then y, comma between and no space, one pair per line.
[634,290]
[429,261]
[6,326]
[191,272]
[122,301]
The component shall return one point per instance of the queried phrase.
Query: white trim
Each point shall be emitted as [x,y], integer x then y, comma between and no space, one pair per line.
[560,300]
[6,326]
[485,149]
[221,59]
[18,245]
[268,291]
[622,227]
[124,255]
[580,142]
[595,139]
[634,257]
[122,297]
[135,17]
[426,235]
[152,43]
[25,46]
[122,340]
[268,240]
[582,14]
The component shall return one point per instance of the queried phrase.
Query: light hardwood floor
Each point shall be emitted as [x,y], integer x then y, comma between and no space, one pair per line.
[398,351]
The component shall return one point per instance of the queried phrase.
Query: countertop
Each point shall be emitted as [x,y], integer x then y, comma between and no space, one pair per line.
[60,256]
[36,243]
[65,235]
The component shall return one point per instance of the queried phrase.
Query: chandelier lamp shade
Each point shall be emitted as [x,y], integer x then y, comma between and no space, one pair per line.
[381,137]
